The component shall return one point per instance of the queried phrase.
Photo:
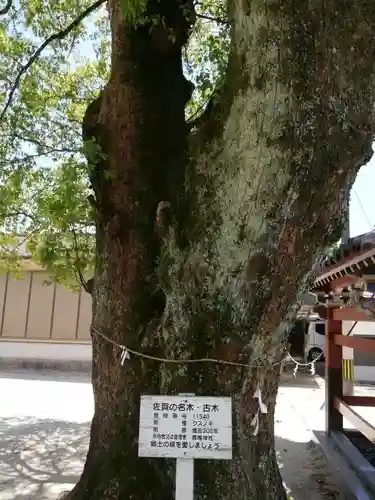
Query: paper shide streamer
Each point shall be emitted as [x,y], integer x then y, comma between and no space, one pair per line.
[262,409]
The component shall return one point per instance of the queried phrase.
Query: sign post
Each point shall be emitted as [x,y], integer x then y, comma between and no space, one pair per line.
[185,427]
[184,479]
[185,474]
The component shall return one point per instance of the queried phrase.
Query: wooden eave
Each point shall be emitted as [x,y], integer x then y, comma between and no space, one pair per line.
[347,271]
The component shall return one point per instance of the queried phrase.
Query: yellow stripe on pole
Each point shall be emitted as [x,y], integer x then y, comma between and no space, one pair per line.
[348,369]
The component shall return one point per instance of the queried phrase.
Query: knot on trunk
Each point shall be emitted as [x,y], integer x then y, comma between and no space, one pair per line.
[163,218]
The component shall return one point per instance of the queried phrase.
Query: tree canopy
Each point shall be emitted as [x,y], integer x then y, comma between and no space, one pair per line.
[54,60]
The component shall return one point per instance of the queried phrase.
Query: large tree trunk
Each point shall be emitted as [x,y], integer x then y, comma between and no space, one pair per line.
[254,195]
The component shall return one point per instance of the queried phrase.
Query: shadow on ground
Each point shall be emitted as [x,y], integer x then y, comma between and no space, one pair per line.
[40,458]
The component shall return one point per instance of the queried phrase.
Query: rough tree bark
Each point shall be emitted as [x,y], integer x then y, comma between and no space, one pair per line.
[254,195]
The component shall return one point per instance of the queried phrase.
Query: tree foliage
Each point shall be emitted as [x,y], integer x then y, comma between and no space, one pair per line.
[44,186]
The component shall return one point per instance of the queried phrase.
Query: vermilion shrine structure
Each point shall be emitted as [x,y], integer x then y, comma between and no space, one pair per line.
[345,287]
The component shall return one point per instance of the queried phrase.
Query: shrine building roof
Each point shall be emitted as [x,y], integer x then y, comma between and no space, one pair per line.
[351,260]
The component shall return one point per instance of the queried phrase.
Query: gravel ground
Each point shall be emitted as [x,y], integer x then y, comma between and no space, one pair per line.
[44,429]
[299,412]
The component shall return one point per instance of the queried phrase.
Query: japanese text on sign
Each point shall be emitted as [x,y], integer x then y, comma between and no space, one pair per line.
[185,427]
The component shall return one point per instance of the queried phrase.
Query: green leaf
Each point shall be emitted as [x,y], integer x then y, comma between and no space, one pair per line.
[44,172]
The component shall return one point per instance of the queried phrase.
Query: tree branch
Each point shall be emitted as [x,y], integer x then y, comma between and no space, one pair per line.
[21,242]
[56,36]
[15,161]
[202,112]
[86,285]
[48,149]
[8,215]
[214,19]
[6,9]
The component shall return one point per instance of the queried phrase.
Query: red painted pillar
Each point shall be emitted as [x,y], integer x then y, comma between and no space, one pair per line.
[333,373]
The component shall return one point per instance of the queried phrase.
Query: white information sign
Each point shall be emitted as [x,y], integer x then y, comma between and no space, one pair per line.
[185,427]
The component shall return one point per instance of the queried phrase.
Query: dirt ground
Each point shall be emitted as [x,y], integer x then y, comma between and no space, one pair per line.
[300,411]
[44,430]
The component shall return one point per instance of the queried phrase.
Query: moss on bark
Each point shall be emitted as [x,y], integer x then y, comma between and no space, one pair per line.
[253,202]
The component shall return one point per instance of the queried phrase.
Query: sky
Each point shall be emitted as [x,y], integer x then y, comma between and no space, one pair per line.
[362,202]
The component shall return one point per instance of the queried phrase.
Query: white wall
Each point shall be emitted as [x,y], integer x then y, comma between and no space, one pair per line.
[362,328]
[363,372]
[45,351]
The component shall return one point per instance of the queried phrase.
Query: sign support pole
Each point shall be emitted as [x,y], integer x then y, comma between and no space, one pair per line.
[185,474]
[184,478]
[185,427]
